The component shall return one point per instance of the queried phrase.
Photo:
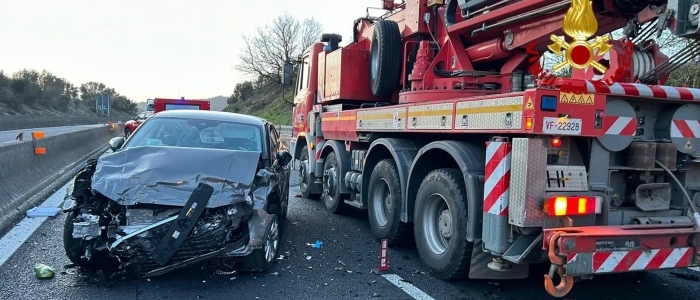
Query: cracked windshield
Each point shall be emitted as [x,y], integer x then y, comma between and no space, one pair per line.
[369,149]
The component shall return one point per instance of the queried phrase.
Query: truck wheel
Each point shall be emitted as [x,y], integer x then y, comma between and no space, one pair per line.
[305,180]
[384,207]
[385,58]
[331,186]
[440,221]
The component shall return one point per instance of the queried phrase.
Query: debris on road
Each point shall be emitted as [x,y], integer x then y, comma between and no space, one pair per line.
[221,272]
[43,271]
[317,245]
[308,258]
[41,211]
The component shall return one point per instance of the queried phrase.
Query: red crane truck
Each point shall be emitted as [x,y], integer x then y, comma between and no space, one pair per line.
[440,121]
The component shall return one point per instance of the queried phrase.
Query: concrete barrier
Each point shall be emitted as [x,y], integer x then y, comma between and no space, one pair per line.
[25,122]
[28,175]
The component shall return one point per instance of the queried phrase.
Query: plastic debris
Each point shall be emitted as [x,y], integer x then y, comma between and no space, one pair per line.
[318,244]
[43,271]
[308,258]
[43,212]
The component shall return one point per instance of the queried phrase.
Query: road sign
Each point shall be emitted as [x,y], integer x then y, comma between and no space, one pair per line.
[102,105]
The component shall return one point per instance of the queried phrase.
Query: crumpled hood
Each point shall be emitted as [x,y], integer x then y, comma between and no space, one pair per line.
[168,175]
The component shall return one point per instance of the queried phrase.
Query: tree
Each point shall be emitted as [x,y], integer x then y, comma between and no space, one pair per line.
[242,91]
[283,40]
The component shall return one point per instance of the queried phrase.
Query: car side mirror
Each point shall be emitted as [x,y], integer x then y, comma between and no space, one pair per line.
[287,73]
[116,143]
[283,158]
[136,118]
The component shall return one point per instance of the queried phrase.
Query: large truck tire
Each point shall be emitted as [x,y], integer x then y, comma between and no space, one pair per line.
[440,224]
[331,186]
[384,204]
[385,58]
[305,180]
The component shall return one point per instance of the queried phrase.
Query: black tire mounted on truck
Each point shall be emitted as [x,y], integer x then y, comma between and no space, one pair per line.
[305,182]
[384,207]
[385,58]
[440,220]
[331,186]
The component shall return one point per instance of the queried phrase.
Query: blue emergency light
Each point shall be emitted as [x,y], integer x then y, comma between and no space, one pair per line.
[548,103]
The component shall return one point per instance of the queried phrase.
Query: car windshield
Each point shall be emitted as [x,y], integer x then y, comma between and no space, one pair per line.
[197,133]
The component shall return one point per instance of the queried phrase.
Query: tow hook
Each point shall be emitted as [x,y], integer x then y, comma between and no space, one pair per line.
[567,282]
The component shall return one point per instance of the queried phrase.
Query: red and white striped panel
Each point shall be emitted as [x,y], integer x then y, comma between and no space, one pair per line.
[319,147]
[637,260]
[616,125]
[689,129]
[643,90]
[497,181]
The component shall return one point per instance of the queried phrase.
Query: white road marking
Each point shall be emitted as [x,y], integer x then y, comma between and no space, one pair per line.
[16,237]
[410,289]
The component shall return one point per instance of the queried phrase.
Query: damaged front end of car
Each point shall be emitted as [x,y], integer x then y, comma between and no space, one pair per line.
[146,211]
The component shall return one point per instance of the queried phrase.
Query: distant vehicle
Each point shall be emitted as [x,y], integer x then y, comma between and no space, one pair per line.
[150,104]
[161,104]
[131,125]
[168,196]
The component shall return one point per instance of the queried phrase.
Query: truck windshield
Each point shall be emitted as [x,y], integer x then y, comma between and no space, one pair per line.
[197,133]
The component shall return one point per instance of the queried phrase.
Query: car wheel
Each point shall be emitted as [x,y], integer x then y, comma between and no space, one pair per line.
[127,132]
[384,207]
[331,186]
[305,180]
[70,244]
[262,259]
[440,220]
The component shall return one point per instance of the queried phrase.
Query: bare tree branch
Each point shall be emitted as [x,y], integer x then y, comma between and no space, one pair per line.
[265,52]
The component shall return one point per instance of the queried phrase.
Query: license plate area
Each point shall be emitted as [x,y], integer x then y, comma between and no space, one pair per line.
[562,126]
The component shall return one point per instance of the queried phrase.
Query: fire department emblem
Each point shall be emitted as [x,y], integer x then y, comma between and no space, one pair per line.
[580,24]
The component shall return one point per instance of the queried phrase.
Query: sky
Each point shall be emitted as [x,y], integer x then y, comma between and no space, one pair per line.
[153,48]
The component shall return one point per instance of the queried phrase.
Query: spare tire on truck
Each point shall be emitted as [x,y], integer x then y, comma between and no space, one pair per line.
[385,58]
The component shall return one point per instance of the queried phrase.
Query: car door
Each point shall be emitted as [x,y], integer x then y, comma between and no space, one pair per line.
[283,172]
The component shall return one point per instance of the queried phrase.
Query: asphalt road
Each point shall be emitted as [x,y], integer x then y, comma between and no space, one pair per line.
[340,269]
[10,135]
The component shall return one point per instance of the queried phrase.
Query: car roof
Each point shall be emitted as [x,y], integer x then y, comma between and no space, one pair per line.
[211,115]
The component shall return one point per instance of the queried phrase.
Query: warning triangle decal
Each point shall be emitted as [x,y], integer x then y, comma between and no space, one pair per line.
[529,104]
[688,146]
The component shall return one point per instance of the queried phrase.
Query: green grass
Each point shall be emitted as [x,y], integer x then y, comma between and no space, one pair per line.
[267,103]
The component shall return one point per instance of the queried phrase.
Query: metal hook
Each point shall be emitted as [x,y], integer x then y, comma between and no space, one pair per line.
[563,288]
[553,257]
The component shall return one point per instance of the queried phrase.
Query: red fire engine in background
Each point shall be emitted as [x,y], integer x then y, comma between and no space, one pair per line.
[432,120]
[156,105]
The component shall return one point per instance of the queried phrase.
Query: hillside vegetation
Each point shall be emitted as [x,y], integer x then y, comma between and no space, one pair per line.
[30,92]
[262,100]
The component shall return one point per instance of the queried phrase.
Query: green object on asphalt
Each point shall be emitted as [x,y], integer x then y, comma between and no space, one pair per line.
[43,271]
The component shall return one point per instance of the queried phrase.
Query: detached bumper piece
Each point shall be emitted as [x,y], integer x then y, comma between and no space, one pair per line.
[581,251]
[184,223]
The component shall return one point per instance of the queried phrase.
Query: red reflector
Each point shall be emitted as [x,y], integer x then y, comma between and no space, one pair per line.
[556,142]
[571,206]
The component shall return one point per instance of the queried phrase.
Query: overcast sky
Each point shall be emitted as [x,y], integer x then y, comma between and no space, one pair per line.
[152,48]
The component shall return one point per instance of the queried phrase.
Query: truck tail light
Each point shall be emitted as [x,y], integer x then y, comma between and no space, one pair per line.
[573,206]
[528,123]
